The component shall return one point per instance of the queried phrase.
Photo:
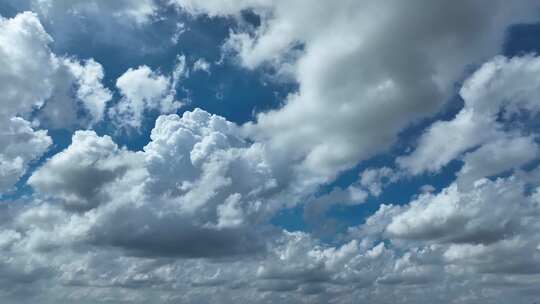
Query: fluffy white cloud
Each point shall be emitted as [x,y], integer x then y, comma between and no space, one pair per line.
[83,108]
[497,157]
[462,217]
[35,81]
[355,96]
[187,218]
[143,90]
[27,65]
[198,185]
[199,189]
[445,141]
[437,242]
[34,77]
[494,96]
[80,175]
[376,179]
[19,145]
[201,65]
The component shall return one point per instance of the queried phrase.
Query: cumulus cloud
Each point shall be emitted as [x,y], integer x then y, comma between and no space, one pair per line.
[198,185]
[144,90]
[493,99]
[497,157]
[83,108]
[79,176]
[437,241]
[201,65]
[34,78]
[375,179]
[367,77]
[453,216]
[19,145]
[188,218]
[27,64]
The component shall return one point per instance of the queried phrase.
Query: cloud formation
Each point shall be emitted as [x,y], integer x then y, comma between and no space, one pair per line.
[35,78]
[191,216]
[144,90]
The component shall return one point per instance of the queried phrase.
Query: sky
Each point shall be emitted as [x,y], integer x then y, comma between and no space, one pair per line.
[269,151]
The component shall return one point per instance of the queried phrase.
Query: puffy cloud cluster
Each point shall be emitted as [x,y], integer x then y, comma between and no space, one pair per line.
[19,145]
[188,218]
[500,93]
[25,76]
[466,246]
[346,64]
[83,108]
[197,189]
[34,78]
[144,90]
[201,190]
[80,175]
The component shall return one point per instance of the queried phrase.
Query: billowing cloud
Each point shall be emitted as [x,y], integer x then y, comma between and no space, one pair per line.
[493,99]
[144,90]
[19,145]
[198,185]
[80,175]
[63,108]
[27,65]
[35,78]
[372,83]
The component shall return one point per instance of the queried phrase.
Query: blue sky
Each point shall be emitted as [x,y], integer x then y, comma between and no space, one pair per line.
[190,151]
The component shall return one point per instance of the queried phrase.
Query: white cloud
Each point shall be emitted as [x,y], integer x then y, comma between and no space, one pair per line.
[90,90]
[34,77]
[201,65]
[19,145]
[80,175]
[36,81]
[29,75]
[202,190]
[27,65]
[502,87]
[144,90]
[198,184]
[180,29]
[462,217]
[187,218]
[85,107]
[497,157]
[355,96]
[376,179]
[445,141]
[498,222]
